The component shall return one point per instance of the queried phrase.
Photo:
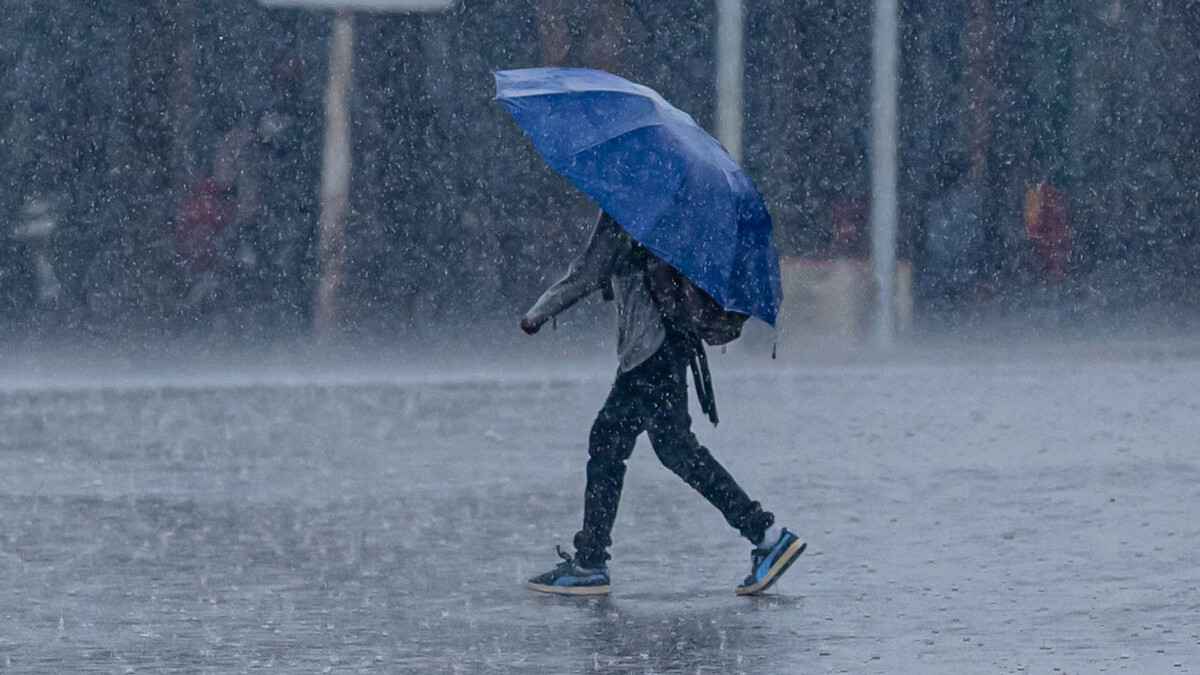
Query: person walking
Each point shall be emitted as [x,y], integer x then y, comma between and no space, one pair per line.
[649,395]
[684,245]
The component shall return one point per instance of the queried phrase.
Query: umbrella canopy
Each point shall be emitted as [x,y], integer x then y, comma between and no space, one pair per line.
[653,169]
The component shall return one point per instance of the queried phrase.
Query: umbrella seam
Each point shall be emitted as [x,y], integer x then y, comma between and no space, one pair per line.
[609,139]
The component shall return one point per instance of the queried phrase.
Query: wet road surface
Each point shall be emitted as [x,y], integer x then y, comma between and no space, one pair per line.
[997,516]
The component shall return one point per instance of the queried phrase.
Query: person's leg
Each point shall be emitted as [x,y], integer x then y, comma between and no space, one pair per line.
[610,444]
[670,431]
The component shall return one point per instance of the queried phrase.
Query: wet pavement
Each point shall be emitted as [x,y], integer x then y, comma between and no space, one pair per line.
[966,515]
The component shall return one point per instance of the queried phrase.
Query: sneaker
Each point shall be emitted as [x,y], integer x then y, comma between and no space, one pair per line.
[768,564]
[571,579]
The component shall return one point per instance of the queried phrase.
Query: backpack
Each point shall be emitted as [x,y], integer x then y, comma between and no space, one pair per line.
[686,308]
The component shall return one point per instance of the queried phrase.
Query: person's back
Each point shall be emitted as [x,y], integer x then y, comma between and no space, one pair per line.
[202,218]
[1048,229]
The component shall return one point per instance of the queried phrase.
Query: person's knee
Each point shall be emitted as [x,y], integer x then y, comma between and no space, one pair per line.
[677,463]
[677,450]
[610,440]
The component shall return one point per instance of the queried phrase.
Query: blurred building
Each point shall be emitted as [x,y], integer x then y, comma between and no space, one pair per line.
[114,110]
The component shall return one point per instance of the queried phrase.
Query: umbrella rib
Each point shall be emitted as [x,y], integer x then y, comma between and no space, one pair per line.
[613,138]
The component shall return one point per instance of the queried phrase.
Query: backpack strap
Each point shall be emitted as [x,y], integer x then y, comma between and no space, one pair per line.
[669,308]
[698,360]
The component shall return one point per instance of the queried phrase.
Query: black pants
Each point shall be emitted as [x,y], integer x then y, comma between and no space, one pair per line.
[653,398]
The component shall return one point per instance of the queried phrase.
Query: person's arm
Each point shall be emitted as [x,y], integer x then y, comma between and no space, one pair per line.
[588,273]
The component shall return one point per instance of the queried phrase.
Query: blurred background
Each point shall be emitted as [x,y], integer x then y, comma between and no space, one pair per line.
[160,162]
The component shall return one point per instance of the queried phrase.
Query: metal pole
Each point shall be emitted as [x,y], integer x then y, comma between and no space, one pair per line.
[335,176]
[731,28]
[978,57]
[884,165]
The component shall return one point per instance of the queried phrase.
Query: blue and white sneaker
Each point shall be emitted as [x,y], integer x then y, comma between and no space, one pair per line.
[571,579]
[767,565]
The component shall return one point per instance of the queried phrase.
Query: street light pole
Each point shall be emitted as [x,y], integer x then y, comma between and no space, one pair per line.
[884,165]
[731,29]
[335,176]
[336,161]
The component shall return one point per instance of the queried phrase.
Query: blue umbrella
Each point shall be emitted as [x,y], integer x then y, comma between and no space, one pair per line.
[653,169]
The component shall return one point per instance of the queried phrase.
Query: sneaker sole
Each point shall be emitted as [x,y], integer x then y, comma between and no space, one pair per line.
[569,590]
[785,561]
